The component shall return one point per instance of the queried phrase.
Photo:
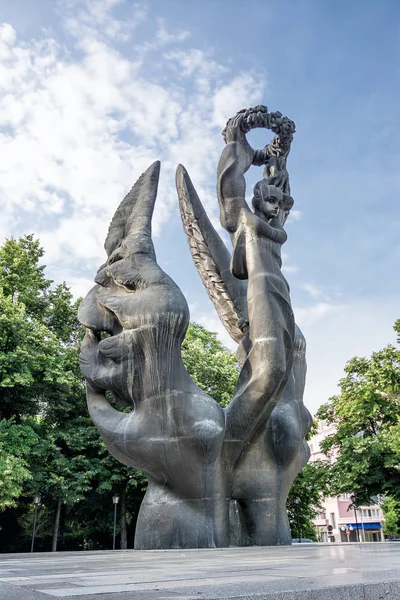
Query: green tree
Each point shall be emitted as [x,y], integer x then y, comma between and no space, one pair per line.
[42,394]
[128,483]
[305,498]
[21,276]
[37,329]
[41,388]
[31,360]
[47,441]
[366,414]
[210,364]
[16,442]
[62,465]
[391,510]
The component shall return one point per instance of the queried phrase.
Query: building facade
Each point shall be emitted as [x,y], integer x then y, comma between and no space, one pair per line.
[339,521]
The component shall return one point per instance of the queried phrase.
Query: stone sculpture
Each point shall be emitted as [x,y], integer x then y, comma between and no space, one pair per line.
[217,477]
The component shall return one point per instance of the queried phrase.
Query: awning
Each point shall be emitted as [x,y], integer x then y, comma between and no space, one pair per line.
[366,525]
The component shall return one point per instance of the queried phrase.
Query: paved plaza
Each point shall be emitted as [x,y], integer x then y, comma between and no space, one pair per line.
[300,572]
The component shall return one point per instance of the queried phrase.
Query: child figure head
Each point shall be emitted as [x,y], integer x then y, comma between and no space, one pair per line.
[269,201]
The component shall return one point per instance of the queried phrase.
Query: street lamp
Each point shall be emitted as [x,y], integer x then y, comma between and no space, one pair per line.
[115,500]
[297,502]
[36,501]
[353,506]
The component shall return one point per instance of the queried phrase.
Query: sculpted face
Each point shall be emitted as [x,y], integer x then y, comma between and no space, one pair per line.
[267,200]
[270,207]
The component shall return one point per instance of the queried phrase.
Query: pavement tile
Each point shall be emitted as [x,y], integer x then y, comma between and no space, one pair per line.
[308,572]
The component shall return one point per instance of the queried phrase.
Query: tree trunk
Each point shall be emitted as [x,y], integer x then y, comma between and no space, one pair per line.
[56,526]
[124,535]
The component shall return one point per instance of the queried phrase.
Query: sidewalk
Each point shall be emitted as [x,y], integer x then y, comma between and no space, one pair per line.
[298,572]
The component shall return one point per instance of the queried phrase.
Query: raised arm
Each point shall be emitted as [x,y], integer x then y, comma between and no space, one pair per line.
[231,187]
[235,160]
[238,156]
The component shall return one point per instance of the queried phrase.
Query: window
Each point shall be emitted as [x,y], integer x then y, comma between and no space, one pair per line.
[311,448]
[333,520]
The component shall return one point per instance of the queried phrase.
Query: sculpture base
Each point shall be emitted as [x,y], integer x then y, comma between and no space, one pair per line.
[299,572]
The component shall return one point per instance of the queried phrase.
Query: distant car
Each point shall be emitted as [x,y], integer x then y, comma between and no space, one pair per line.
[302,541]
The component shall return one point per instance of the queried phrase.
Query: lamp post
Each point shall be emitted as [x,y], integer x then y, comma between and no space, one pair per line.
[353,506]
[115,500]
[362,525]
[36,501]
[297,502]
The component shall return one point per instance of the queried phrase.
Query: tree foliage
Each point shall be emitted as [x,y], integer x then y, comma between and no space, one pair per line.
[22,278]
[16,443]
[391,510]
[305,499]
[366,413]
[210,364]
[48,444]
[47,441]
[37,327]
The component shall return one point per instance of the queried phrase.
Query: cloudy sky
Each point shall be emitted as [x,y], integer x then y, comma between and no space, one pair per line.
[93,91]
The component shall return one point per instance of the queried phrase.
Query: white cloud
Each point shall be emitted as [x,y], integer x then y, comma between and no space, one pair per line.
[243,90]
[80,286]
[95,18]
[313,290]
[195,61]
[7,35]
[163,36]
[312,314]
[294,215]
[289,269]
[82,117]
[76,130]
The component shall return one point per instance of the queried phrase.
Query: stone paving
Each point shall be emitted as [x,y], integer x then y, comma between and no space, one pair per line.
[300,572]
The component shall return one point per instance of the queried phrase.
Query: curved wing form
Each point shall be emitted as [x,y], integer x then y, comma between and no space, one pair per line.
[212,259]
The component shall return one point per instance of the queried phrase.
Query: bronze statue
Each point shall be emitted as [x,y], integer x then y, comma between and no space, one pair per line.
[217,477]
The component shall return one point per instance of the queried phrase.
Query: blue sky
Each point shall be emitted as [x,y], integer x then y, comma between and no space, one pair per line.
[93,91]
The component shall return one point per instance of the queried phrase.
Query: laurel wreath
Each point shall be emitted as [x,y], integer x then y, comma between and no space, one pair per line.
[259,117]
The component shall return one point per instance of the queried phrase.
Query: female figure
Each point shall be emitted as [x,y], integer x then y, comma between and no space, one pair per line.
[268,399]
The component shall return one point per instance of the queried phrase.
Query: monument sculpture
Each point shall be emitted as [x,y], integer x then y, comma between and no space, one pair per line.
[216,477]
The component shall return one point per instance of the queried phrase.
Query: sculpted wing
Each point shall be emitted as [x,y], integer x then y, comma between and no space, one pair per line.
[212,259]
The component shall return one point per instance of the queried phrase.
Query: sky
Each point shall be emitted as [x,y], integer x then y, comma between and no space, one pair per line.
[94,91]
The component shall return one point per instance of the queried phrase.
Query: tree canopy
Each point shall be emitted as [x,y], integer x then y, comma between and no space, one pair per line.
[210,364]
[366,414]
[48,443]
